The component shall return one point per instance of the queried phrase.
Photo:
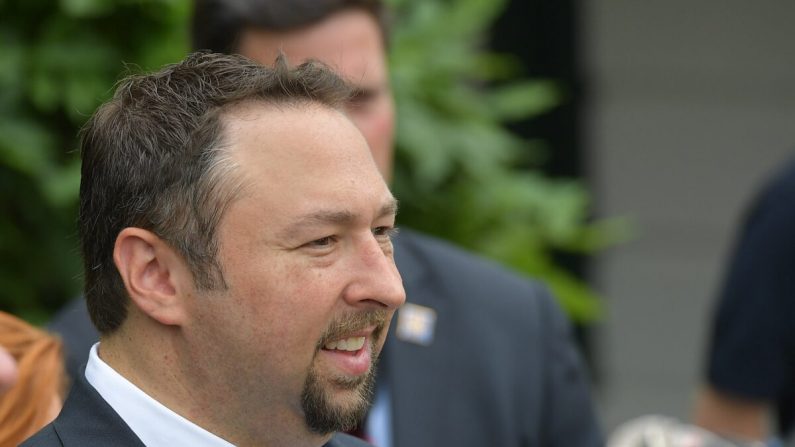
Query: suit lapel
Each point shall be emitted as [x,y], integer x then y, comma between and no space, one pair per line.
[87,420]
[418,375]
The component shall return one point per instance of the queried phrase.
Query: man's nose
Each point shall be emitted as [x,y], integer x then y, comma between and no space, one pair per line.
[375,278]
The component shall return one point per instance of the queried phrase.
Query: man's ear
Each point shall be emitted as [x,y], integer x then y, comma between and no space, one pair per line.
[155,276]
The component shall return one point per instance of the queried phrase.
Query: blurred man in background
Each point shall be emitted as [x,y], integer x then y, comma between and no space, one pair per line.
[750,376]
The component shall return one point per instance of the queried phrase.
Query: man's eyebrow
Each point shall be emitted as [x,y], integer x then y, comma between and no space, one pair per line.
[358,93]
[338,217]
[390,208]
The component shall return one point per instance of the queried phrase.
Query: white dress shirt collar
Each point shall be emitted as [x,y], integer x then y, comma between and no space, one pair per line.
[150,420]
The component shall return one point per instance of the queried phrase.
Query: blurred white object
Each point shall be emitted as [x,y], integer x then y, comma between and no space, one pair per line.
[663,431]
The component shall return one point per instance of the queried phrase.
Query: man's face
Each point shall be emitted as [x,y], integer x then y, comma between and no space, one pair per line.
[349,42]
[307,260]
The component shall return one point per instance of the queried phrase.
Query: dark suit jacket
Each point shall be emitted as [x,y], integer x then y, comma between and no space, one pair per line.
[502,369]
[88,421]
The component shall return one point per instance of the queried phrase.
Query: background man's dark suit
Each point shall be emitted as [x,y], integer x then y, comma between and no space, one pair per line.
[501,361]
[87,420]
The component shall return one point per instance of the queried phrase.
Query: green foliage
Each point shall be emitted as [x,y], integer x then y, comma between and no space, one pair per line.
[457,172]
[456,164]
[58,61]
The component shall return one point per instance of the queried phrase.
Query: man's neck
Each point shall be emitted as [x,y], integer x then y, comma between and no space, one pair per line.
[155,366]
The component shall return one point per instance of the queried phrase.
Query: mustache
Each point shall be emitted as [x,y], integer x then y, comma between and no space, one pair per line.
[352,323]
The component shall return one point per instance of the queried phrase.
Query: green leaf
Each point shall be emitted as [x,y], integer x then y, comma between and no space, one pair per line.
[523,99]
[82,94]
[12,61]
[61,186]
[25,146]
[58,59]
[86,8]
[44,92]
[458,169]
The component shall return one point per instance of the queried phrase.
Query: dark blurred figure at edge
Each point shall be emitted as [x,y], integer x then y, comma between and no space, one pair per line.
[749,392]
[478,355]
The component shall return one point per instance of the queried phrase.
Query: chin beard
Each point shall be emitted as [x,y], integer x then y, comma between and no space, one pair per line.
[324,415]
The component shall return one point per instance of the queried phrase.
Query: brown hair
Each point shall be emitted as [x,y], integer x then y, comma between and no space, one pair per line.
[27,406]
[217,25]
[154,157]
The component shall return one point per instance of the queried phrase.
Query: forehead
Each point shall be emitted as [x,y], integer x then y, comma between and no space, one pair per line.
[299,156]
[349,41]
[285,136]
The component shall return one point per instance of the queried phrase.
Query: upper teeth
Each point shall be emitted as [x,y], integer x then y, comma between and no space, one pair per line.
[346,344]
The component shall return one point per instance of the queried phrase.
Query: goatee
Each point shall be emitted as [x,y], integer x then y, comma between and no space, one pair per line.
[324,414]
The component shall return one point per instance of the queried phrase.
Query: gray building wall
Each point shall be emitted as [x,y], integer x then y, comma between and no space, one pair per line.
[692,106]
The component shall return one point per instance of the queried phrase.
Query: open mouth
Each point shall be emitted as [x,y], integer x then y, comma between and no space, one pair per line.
[348,347]
[351,344]
[350,355]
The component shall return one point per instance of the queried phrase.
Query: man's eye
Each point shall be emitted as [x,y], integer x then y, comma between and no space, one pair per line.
[385,232]
[322,242]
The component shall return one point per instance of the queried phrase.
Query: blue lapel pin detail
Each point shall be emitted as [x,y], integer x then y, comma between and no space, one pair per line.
[416,324]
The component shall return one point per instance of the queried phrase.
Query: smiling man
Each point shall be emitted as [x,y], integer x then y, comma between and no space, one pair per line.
[236,236]
[479,356]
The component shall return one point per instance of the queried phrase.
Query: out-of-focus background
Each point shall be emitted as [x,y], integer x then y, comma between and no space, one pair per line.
[692,108]
[608,147]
